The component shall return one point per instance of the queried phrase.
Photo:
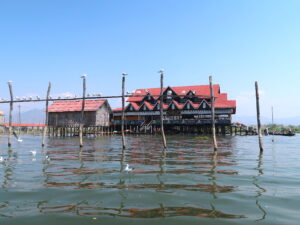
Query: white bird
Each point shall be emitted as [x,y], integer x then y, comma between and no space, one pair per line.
[1,159]
[127,168]
[33,152]
[19,140]
[47,158]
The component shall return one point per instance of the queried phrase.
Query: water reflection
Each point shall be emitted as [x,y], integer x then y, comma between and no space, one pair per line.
[160,212]
[9,164]
[169,182]
[260,189]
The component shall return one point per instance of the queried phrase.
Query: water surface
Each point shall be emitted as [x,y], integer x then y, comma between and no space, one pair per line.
[184,184]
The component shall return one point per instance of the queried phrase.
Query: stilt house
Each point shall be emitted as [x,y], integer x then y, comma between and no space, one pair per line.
[68,113]
[182,106]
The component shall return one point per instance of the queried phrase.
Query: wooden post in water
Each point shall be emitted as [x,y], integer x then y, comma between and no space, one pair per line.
[123,111]
[213,128]
[11,106]
[82,111]
[273,125]
[161,108]
[258,118]
[45,128]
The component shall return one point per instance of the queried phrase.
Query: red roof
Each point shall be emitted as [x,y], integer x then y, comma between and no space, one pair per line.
[24,125]
[202,90]
[76,106]
[222,102]
[117,109]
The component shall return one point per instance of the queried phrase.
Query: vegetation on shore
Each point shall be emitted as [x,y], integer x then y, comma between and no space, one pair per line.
[280,127]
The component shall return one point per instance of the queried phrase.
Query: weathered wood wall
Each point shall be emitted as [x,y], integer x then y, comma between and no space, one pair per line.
[101,117]
[1,118]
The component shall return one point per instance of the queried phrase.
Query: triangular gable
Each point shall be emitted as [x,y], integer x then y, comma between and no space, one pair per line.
[156,107]
[146,106]
[166,92]
[191,94]
[148,97]
[131,107]
[188,105]
[173,106]
[204,105]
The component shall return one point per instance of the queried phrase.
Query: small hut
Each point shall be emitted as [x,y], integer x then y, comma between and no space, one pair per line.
[68,113]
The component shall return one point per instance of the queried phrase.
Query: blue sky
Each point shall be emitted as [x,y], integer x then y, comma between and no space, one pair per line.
[237,42]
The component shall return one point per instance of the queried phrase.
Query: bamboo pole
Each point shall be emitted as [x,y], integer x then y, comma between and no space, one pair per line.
[82,110]
[123,111]
[46,115]
[258,118]
[213,127]
[161,108]
[11,106]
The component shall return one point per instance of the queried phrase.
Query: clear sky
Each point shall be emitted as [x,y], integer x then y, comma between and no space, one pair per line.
[237,42]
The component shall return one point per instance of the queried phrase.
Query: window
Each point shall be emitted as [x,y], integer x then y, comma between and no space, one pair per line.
[169,94]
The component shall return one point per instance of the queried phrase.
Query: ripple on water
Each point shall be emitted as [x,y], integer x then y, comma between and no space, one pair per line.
[183,184]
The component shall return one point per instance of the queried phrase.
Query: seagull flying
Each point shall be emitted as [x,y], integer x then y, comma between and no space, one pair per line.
[33,152]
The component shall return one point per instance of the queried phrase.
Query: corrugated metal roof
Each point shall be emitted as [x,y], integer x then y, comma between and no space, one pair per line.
[76,106]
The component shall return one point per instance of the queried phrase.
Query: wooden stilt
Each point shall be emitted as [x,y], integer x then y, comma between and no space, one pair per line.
[161,109]
[46,115]
[123,110]
[273,125]
[82,111]
[213,114]
[258,118]
[11,106]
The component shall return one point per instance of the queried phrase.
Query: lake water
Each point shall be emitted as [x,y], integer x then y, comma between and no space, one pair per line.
[185,184]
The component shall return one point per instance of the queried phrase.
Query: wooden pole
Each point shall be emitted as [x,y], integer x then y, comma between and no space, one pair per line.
[273,125]
[46,115]
[258,118]
[11,106]
[123,111]
[213,128]
[161,109]
[82,111]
